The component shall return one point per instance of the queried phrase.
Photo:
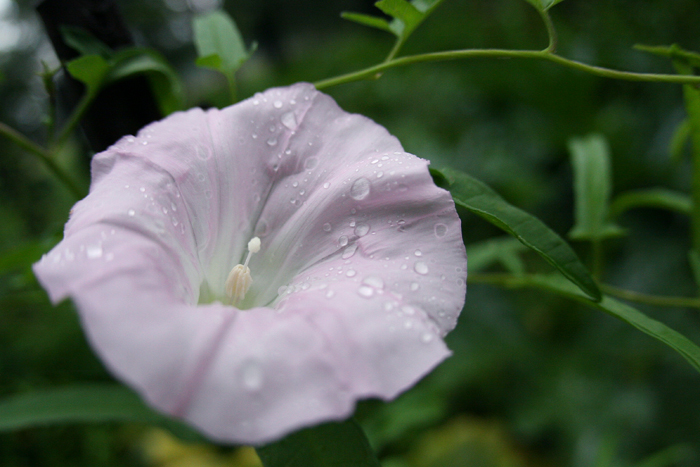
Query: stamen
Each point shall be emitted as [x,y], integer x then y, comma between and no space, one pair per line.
[239,280]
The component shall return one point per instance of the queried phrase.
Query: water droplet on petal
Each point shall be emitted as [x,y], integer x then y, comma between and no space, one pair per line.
[420,267]
[374,281]
[414,286]
[365,291]
[94,252]
[343,240]
[131,212]
[351,273]
[277,104]
[361,229]
[272,141]
[409,310]
[330,294]
[327,227]
[252,375]
[349,251]
[326,185]
[310,163]
[360,189]
[440,230]
[427,338]
[418,253]
[289,120]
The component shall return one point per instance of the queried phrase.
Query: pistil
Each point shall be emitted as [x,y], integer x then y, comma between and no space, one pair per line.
[239,280]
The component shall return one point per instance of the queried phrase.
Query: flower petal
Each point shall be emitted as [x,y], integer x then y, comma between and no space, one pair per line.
[361,272]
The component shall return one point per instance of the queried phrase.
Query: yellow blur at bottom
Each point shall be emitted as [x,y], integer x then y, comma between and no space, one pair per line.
[161,449]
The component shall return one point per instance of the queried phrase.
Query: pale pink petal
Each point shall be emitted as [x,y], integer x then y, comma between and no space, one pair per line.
[361,272]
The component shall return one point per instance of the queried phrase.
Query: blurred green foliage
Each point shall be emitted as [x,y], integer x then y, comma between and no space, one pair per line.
[535,380]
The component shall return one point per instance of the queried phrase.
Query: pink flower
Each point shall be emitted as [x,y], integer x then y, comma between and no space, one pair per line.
[360,271]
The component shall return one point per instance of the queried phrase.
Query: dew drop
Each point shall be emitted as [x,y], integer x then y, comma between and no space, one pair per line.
[295,184]
[365,291]
[418,253]
[414,286]
[310,163]
[326,185]
[343,240]
[426,338]
[203,153]
[131,212]
[374,281]
[142,189]
[272,141]
[327,227]
[277,104]
[252,375]
[361,229]
[409,310]
[351,273]
[420,267]
[94,252]
[289,120]
[349,251]
[440,230]
[360,189]
[330,294]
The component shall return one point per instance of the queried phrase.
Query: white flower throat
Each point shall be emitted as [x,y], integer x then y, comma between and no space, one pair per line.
[239,280]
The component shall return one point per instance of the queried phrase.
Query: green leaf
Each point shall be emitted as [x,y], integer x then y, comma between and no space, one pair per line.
[503,250]
[341,444]
[694,259]
[76,404]
[91,70]
[626,313]
[87,403]
[165,83]
[216,33]
[406,16]
[367,20]
[85,43]
[590,158]
[653,198]
[679,141]
[674,52]
[543,5]
[532,232]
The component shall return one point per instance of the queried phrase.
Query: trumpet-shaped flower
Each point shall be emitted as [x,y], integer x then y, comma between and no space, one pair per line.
[260,268]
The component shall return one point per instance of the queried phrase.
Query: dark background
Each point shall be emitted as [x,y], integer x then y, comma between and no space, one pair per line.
[535,380]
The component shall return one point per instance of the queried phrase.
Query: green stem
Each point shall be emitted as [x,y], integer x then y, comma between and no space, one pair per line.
[530,280]
[551,32]
[45,157]
[75,118]
[504,53]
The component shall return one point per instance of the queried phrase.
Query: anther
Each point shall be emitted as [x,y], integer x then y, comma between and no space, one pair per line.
[239,280]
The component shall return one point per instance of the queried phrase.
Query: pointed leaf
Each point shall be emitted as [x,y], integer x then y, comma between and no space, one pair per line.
[165,83]
[590,158]
[626,313]
[406,14]
[342,444]
[532,232]
[503,250]
[652,198]
[216,33]
[88,403]
[543,5]
[367,20]
[679,141]
[91,70]
[82,41]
